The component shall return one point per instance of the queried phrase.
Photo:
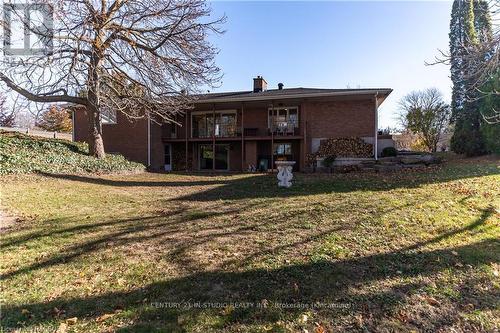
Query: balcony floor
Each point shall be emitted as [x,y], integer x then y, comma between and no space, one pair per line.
[236,138]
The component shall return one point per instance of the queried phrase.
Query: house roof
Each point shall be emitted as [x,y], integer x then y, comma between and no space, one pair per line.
[241,96]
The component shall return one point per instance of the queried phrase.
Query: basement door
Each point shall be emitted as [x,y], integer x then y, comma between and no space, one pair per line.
[220,158]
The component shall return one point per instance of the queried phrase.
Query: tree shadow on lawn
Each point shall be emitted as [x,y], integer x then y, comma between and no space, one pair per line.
[182,228]
[133,183]
[159,305]
[128,231]
[43,232]
[265,185]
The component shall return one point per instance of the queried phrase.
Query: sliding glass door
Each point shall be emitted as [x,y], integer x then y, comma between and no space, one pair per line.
[205,127]
[220,158]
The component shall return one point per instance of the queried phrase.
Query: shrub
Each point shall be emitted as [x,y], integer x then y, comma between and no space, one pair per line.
[20,153]
[389,151]
[328,161]
[491,135]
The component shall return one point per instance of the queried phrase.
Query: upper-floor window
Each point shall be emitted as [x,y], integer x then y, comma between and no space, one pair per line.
[283,119]
[204,125]
[108,115]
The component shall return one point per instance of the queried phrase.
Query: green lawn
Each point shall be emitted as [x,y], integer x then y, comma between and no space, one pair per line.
[415,250]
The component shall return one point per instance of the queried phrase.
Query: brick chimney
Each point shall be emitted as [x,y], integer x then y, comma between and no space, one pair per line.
[259,84]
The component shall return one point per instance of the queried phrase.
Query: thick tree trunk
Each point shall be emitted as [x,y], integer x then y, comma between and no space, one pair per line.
[96,143]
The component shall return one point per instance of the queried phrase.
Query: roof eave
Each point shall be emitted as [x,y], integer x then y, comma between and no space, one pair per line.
[385,92]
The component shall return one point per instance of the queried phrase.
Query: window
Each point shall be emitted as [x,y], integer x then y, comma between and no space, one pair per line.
[283,118]
[203,125]
[282,149]
[108,115]
[173,130]
[218,161]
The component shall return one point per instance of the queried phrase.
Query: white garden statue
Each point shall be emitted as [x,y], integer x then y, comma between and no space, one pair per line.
[285,173]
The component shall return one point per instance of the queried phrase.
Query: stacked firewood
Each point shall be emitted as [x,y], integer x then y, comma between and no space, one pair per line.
[341,147]
[345,147]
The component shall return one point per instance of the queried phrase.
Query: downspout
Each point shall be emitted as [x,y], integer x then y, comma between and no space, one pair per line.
[375,138]
[73,125]
[242,138]
[186,136]
[149,140]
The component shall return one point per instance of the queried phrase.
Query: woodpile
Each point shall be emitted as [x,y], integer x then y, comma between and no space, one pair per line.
[345,147]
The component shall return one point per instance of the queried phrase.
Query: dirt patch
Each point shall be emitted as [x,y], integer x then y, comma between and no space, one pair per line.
[7,221]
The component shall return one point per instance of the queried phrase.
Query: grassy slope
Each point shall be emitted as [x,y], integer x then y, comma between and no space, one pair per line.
[400,252]
[20,153]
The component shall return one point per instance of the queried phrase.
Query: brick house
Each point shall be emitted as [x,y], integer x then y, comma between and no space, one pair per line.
[251,128]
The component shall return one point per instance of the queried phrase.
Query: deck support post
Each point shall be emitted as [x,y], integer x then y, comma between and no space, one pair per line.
[375,138]
[242,139]
[213,138]
[302,116]
[272,135]
[186,137]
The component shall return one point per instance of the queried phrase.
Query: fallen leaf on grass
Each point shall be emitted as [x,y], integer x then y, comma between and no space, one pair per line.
[104,317]
[432,301]
[469,307]
[56,312]
[71,321]
[62,328]
[319,329]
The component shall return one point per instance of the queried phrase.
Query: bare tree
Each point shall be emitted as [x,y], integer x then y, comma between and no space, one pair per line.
[7,117]
[425,114]
[143,58]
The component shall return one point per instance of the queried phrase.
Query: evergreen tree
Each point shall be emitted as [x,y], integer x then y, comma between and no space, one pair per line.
[457,37]
[470,24]
[482,21]
[462,33]
[491,132]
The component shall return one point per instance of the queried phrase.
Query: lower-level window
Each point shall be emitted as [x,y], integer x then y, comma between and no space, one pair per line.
[282,149]
[208,158]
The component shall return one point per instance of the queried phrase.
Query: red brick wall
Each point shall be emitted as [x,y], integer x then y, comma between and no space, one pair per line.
[129,138]
[256,118]
[250,153]
[339,119]
[157,147]
[235,156]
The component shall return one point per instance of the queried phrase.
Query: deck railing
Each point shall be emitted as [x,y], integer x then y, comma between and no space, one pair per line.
[284,128]
[221,131]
